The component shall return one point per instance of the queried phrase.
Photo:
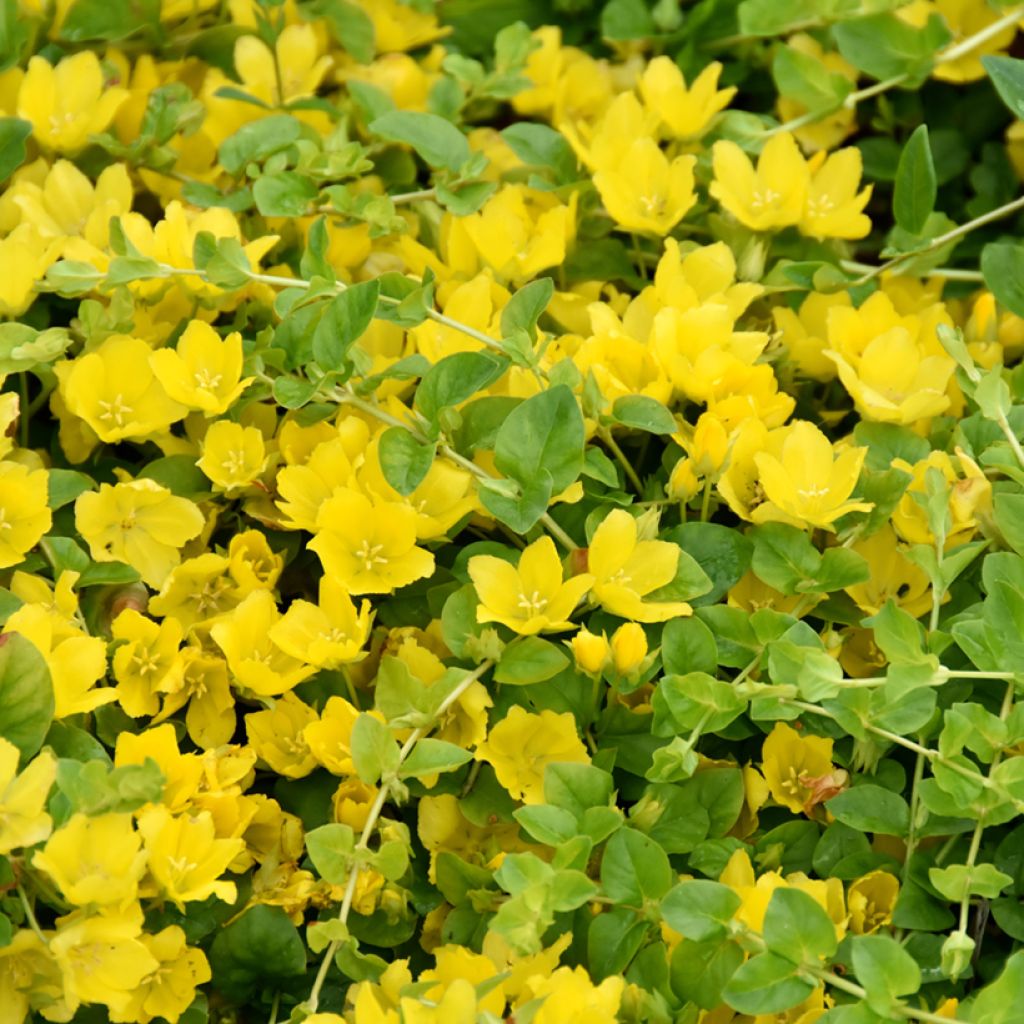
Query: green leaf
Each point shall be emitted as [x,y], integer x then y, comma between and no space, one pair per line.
[529,660]
[257,140]
[699,971]
[884,46]
[885,969]
[94,787]
[913,198]
[404,461]
[13,134]
[525,307]
[550,825]
[350,25]
[959,881]
[330,848]
[431,756]
[456,378]
[1002,1001]
[64,485]
[256,953]
[112,20]
[797,927]
[784,557]
[870,808]
[577,787]
[804,78]
[285,194]
[374,750]
[682,703]
[626,19]
[436,140]
[635,868]
[776,17]
[1007,74]
[344,323]
[766,983]
[539,145]
[643,413]
[1002,265]
[26,694]
[700,910]
[687,645]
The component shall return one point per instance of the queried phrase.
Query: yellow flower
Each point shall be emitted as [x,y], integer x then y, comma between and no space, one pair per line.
[331,466]
[645,191]
[182,773]
[67,103]
[25,256]
[520,231]
[95,861]
[210,719]
[396,26]
[774,195]
[202,371]
[294,69]
[327,634]
[256,662]
[24,512]
[686,113]
[964,18]
[893,577]
[369,548]
[570,997]
[871,899]
[186,859]
[591,652]
[146,662]
[169,991]
[804,333]
[455,964]
[794,765]
[805,483]
[352,801]
[629,648]
[277,736]
[113,389]
[523,744]
[23,818]
[233,456]
[29,977]
[330,738]
[833,208]
[625,570]
[140,523]
[252,564]
[197,591]
[531,597]
[101,959]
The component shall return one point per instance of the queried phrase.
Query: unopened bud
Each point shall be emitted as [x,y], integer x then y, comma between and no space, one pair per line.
[629,648]
[590,651]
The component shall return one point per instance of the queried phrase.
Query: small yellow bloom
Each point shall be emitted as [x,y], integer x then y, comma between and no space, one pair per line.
[24,512]
[327,634]
[233,455]
[686,112]
[25,256]
[805,483]
[67,103]
[625,570]
[871,899]
[629,648]
[834,206]
[330,738]
[23,818]
[455,964]
[186,859]
[277,736]
[770,197]
[252,563]
[590,651]
[369,548]
[147,661]
[293,70]
[169,991]
[893,577]
[140,523]
[523,744]
[352,801]
[96,861]
[256,662]
[113,389]
[198,590]
[804,333]
[794,764]
[203,371]
[570,997]
[398,27]
[531,597]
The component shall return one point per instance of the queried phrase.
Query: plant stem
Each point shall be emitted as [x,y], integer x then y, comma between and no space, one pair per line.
[30,915]
[620,457]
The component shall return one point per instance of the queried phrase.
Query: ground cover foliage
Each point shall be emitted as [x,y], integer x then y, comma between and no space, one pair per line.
[511,511]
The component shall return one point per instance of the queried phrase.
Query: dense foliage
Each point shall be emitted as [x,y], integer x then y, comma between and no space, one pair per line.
[511,511]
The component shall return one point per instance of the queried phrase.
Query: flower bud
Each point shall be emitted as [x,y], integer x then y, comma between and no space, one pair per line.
[590,651]
[957,951]
[629,648]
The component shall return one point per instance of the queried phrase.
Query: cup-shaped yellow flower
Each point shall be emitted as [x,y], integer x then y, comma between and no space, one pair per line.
[330,738]
[276,735]
[68,102]
[530,597]
[233,456]
[369,548]
[113,389]
[138,522]
[894,577]
[568,994]
[169,991]
[772,196]
[203,371]
[686,112]
[24,511]
[645,191]
[23,817]
[186,859]
[25,256]
[625,570]
[834,207]
[793,764]
[327,634]
[806,484]
[95,861]
[590,651]
[629,648]
[256,662]
[146,662]
[871,899]
[523,744]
